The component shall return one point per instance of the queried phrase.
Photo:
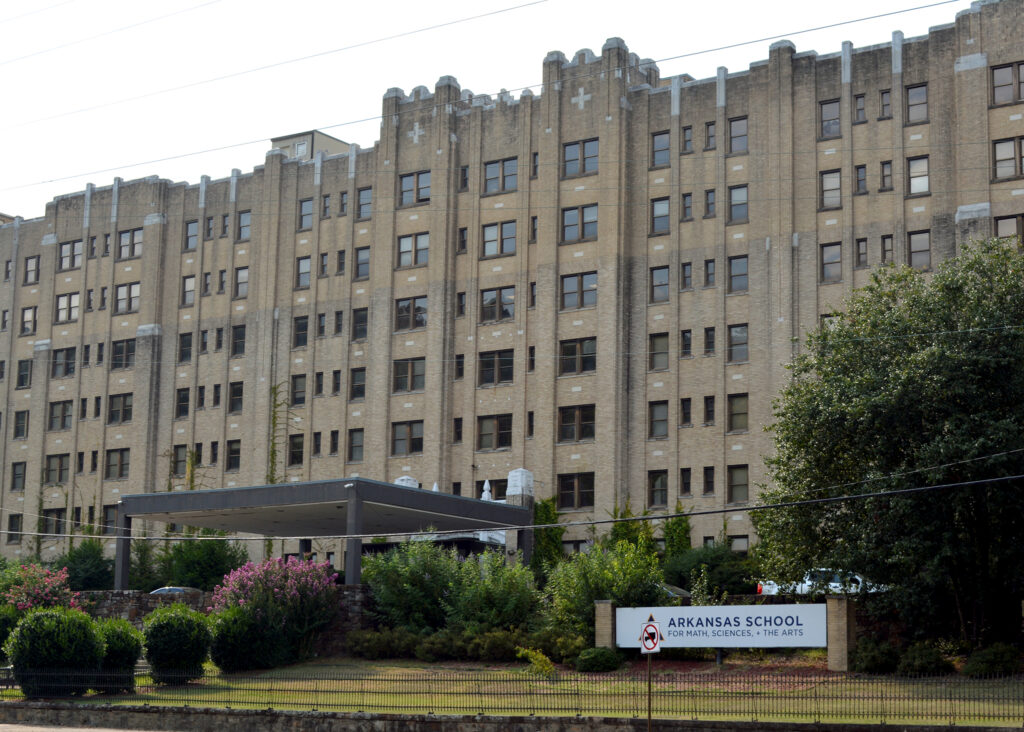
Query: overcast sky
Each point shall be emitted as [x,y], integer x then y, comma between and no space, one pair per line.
[93,89]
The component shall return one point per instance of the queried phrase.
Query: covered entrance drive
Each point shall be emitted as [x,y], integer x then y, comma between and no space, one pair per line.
[352,508]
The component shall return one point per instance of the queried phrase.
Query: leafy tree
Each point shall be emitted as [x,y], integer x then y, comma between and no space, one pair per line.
[203,563]
[676,532]
[144,572]
[412,584]
[491,594]
[919,383]
[547,543]
[88,567]
[726,569]
[640,533]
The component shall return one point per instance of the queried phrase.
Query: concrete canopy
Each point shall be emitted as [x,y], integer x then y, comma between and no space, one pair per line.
[317,508]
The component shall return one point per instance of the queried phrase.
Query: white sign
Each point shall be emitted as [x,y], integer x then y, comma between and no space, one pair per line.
[725,626]
[650,638]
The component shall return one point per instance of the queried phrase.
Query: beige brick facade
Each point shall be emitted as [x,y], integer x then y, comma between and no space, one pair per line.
[892,143]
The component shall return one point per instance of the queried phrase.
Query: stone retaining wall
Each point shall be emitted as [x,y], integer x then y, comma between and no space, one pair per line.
[133,605]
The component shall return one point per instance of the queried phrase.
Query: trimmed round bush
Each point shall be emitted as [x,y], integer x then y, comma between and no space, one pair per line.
[598,660]
[177,643]
[123,648]
[9,618]
[922,659]
[55,652]
[240,641]
[872,656]
[999,659]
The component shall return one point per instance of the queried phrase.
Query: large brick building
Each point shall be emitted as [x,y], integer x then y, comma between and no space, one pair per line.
[601,283]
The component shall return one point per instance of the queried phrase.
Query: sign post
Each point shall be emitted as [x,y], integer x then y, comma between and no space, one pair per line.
[650,643]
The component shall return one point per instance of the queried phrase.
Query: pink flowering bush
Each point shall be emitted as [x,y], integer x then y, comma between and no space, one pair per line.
[37,587]
[290,600]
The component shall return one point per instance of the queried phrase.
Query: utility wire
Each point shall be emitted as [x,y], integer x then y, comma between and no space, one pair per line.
[36,11]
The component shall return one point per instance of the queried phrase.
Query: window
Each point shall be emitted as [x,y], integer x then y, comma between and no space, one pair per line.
[236,393]
[1008,83]
[117,464]
[738,350]
[659,216]
[325,206]
[233,456]
[414,188]
[411,313]
[657,487]
[575,490]
[238,340]
[886,248]
[119,408]
[31,270]
[917,175]
[360,323]
[659,149]
[738,204]
[8,269]
[659,284]
[69,255]
[686,276]
[860,113]
[60,415]
[409,374]
[241,282]
[129,244]
[657,351]
[576,424]
[339,321]
[496,367]
[321,325]
[406,438]
[216,395]
[296,448]
[463,240]
[24,379]
[917,103]
[498,304]
[57,467]
[830,118]
[54,520]
[67,308]
[184,347]
[188,290]
[709,203]
[861,179]
[709,341]
[830,189]
[686,206]
[831,262]
[206,286]
[737,417]
[709,136]
[579,223]
[885,176]
[21,424]
[336,381]
[499,239]
[362,263]
[685,412]
[709,410]
[1007,158]
[709,273]
[494,432]
[181,403]
[219,339]
[709,480]
[355,446]
[501,175]
[62,363]
[357,384]
[657,419]
[738,490]
[17,476]
[578,291]
[300,331]
[685,343]
[122,354]
[413,250]
[884,104]
[498,487]
[340,268]
[297,392]
[919,244]
[126,298]
[684,482]
[577,356]
[534,164]
[738,274]
[334,442]
[579,158]
[14,528]
[365,203]
[686,143]
[302,269]
[343,203]
[1006,226]
[222,281]
[28,320]
[861,253]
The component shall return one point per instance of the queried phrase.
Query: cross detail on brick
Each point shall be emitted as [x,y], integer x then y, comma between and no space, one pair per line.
[415,133]
[580,99]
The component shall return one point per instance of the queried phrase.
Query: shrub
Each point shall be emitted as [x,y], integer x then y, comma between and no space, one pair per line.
[384,643]
[871,656]
[495,645]
[922,659]
[9,617]
[55,652]
[202,564]
[292,599]
[490,594]
[999,659]
[540,665]
[240,641]
[123,646]
[598,660]
[177,643]
[36,587]
[563,648]
[547,543]
[728,570]
[412,584]
[88,568]
[444,645]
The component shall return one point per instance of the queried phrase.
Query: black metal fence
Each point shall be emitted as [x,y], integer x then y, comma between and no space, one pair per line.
[722,695]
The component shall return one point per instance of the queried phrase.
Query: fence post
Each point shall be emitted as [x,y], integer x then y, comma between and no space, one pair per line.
[841,624]
[604,624]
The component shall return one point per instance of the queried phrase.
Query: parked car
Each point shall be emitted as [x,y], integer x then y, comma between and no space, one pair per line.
[820,582]
[174,590]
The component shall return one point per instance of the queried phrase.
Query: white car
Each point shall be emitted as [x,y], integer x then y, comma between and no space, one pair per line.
[820,582]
